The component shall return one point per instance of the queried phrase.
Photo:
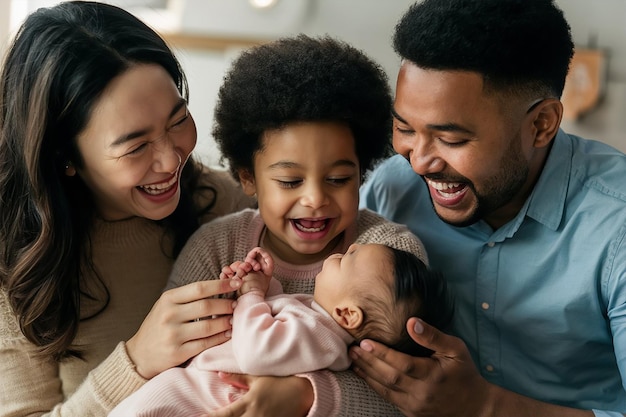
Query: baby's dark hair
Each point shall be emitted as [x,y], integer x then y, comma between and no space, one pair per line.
[519,46]
[302,79]
[417,291]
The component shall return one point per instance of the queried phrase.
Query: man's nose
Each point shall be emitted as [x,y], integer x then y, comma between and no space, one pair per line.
[421,153]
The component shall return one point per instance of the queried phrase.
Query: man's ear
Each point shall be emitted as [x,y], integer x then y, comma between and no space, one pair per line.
[546,121]
[246,178]
[349,316]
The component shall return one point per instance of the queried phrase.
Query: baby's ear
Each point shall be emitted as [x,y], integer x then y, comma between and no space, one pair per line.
[349,316]
[246,178]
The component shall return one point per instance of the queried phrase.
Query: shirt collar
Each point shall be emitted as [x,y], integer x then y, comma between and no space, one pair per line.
[547,201]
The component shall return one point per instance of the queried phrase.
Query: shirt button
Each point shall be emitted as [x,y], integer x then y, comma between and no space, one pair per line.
[485,306]
[491,244]
[489,368]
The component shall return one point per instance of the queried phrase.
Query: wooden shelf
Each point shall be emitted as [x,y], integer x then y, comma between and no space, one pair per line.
[208,42]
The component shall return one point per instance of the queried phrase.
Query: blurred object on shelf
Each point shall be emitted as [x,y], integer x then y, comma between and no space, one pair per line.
[585,82]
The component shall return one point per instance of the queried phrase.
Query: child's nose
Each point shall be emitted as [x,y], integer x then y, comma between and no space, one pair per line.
[314,196]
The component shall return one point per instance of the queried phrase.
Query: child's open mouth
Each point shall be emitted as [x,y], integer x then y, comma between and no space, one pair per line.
[310,226]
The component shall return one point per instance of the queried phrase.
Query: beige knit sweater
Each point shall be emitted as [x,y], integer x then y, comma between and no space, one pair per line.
[231,237]
[129,256]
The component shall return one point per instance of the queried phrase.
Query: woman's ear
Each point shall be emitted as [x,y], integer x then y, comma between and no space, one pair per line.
[349,316]
[546,121]
[246,178]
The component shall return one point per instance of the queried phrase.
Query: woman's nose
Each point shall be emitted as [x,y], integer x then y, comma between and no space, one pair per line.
[166,157]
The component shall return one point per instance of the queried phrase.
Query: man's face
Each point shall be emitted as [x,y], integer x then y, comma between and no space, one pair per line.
[473,150]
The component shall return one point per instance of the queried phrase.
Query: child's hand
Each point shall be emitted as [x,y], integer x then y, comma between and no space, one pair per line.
[259,266]
[255,272]
[237,269]
[255,282]
[261,260]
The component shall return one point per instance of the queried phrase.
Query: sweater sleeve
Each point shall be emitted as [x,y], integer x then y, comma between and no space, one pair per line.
[31,384]
[373,228]
[105,387]
[290,337]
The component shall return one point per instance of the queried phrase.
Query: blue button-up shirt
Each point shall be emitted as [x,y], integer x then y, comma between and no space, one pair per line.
[541,301]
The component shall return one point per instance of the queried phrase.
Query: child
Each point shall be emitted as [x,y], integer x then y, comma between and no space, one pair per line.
[299,121]
[370,292]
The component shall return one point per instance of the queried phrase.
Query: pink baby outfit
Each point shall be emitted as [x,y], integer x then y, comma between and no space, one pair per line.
[230,237]
[284,334]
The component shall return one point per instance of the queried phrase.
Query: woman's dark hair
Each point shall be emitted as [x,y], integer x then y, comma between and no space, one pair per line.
[56,69]
[523,46]
[302,79]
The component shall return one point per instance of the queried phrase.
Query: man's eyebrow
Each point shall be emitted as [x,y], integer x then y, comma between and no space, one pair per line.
[138,133]
[445,127]
[395,114]
[450,127]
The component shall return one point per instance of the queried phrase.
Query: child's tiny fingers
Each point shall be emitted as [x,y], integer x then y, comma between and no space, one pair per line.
[227,272]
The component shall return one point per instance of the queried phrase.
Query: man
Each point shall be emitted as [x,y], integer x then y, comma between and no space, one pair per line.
[526,222]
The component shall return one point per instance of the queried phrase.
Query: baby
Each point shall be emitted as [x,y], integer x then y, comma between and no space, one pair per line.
[368,292]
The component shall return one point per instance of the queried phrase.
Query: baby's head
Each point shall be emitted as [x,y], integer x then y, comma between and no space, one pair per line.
[372,290]
[302,79]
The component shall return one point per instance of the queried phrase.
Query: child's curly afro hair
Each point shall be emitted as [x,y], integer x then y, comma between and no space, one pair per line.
[302,79]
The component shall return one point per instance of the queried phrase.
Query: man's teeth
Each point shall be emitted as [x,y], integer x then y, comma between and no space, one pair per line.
[156,189]
[444,187]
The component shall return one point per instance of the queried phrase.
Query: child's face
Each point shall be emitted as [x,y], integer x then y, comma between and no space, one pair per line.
[345,278]
[306,178]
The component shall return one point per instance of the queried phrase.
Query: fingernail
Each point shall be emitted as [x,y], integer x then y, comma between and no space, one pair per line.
[228,333]
[418,327]
[230,321]
[235,283]
[366,346]
[234,304]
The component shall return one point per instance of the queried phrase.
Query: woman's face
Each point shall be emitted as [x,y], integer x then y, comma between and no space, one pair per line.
[136,142]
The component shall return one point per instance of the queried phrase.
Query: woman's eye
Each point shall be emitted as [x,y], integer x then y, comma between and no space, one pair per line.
[179,123]
[137,150]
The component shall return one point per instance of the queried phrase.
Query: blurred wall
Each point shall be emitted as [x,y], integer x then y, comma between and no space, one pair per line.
[368,25]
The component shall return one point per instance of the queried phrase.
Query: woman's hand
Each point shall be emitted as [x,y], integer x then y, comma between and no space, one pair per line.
[268,396]
[172,331]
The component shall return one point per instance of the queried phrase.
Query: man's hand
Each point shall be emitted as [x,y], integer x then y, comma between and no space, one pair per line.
[445,384]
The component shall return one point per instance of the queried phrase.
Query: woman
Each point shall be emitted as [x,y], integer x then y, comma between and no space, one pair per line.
[98,193]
